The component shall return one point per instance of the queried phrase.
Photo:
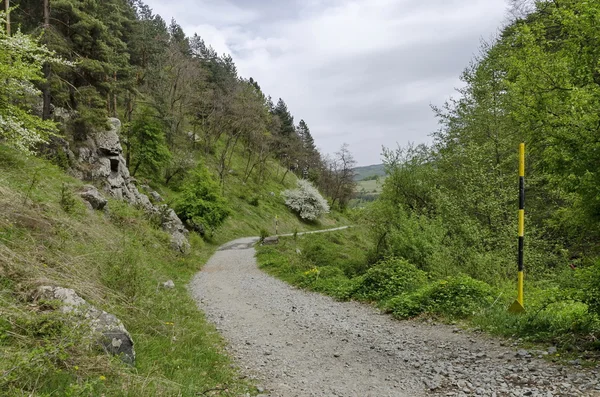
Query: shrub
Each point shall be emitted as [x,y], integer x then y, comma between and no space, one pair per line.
[264,233]
[590,278]
[388,278]
[254,201]
[201,203]
[458,297]
[306,201]
[67,199]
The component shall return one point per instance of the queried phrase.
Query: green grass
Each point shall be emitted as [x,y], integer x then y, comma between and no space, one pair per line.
[114,261]
[255,204]
[370,186]
[336,264]
[368,171]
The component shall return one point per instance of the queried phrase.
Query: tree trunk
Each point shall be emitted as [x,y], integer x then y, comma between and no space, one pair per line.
[7,9]
[47,68]
[115,97]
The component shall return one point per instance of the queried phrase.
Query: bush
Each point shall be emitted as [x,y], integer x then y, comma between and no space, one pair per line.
[590,292]
[306,201]
[201,203]
[389,277]
[458,297]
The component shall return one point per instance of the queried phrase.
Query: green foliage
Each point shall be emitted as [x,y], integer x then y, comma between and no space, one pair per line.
[455,297]
[148,151]
[201,203]
[67,199]
[116,263]
[21,61]
[589,288]
[550,318]
[264,233]
[124,273]
[388,278]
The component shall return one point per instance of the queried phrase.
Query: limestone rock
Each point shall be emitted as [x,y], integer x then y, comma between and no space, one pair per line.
[100,159]
[107,141]
[93,196]
[110,331]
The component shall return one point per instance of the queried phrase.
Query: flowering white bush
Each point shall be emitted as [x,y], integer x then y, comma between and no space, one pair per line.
[306,201]
[21,62]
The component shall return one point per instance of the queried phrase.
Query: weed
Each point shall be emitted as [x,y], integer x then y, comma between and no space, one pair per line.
[35,179]
[264,233]
[67,199]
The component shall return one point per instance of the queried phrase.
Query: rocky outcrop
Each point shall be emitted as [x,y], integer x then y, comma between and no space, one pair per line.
[108,329]
[173,225]
[93,197]
[100,160]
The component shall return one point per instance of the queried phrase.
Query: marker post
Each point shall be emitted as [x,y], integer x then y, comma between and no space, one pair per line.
[518,306]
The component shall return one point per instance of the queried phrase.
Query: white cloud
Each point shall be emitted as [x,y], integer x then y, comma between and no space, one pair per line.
[358,71]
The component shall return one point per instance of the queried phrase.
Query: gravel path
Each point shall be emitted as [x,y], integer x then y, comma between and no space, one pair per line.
[298,343]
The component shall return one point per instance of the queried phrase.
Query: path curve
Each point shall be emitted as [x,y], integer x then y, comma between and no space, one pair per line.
[298,343]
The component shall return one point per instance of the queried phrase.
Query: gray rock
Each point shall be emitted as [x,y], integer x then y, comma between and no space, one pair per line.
[93,196]
[552,350]
[169,284]
[180,243]
[101,160]
[107,141]
[271,240]
[155,196]
[108,329]
[522,353]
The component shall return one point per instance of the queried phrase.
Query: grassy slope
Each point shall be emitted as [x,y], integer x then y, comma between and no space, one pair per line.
[253,207]
[370,186]
[369,170]
[333,264]
[116,262]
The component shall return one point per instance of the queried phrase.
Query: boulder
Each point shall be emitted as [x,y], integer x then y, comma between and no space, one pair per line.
[156,197]
[180,243]
[271,240]
[93,196]
[108,329]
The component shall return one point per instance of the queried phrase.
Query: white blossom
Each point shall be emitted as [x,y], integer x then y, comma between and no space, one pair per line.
[306,200]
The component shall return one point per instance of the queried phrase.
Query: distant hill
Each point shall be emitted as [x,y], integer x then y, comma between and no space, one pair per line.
[368,171]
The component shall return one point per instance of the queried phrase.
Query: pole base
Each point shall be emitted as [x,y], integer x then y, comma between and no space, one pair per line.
[516,307]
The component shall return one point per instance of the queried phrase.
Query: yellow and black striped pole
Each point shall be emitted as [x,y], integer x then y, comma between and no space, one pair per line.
[519,305]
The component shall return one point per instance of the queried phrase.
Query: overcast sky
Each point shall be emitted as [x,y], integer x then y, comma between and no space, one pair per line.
[362,72]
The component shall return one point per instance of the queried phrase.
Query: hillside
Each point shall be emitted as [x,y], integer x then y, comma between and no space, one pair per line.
[368,171]
[128,153]
[117,260]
